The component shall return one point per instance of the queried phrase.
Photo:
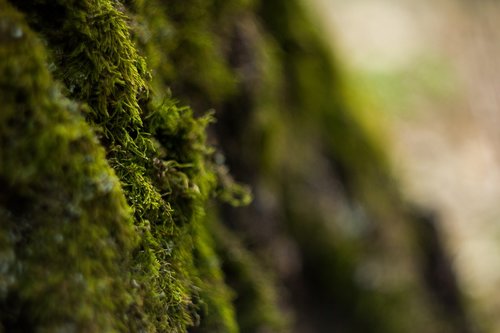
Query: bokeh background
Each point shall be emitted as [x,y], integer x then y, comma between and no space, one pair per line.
[433,70]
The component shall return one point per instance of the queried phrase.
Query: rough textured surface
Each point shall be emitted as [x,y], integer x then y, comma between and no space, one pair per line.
[156,149]
[115,212]
[66,228]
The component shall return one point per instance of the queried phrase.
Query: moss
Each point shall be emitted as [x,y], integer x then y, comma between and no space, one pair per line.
[156,148]
[66,227]
[100,66]
[106,179]
[256,298]
[218,313]
[183,33]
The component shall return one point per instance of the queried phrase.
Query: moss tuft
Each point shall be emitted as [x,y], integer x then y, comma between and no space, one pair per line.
[157,149]
[66,227]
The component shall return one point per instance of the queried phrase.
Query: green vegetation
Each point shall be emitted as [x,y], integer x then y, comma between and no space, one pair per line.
[117,209]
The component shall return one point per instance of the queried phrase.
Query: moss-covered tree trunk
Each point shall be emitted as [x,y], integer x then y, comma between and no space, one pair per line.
[117,209]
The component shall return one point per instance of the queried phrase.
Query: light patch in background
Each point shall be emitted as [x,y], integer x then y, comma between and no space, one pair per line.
[374,34]
[445,135]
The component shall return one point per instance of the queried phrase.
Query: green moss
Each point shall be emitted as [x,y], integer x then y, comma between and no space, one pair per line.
[256,298]
[157,149]
[100,66]
[183,33]
[65,225]
[218,313]
[106,177]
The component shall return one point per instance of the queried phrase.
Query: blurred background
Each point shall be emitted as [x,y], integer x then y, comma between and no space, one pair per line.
[432,69]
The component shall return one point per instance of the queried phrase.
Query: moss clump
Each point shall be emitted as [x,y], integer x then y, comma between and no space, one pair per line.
[66,229]
[157,150]
[105,180]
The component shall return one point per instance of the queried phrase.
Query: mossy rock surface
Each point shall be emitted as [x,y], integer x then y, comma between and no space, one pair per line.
[118,212]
